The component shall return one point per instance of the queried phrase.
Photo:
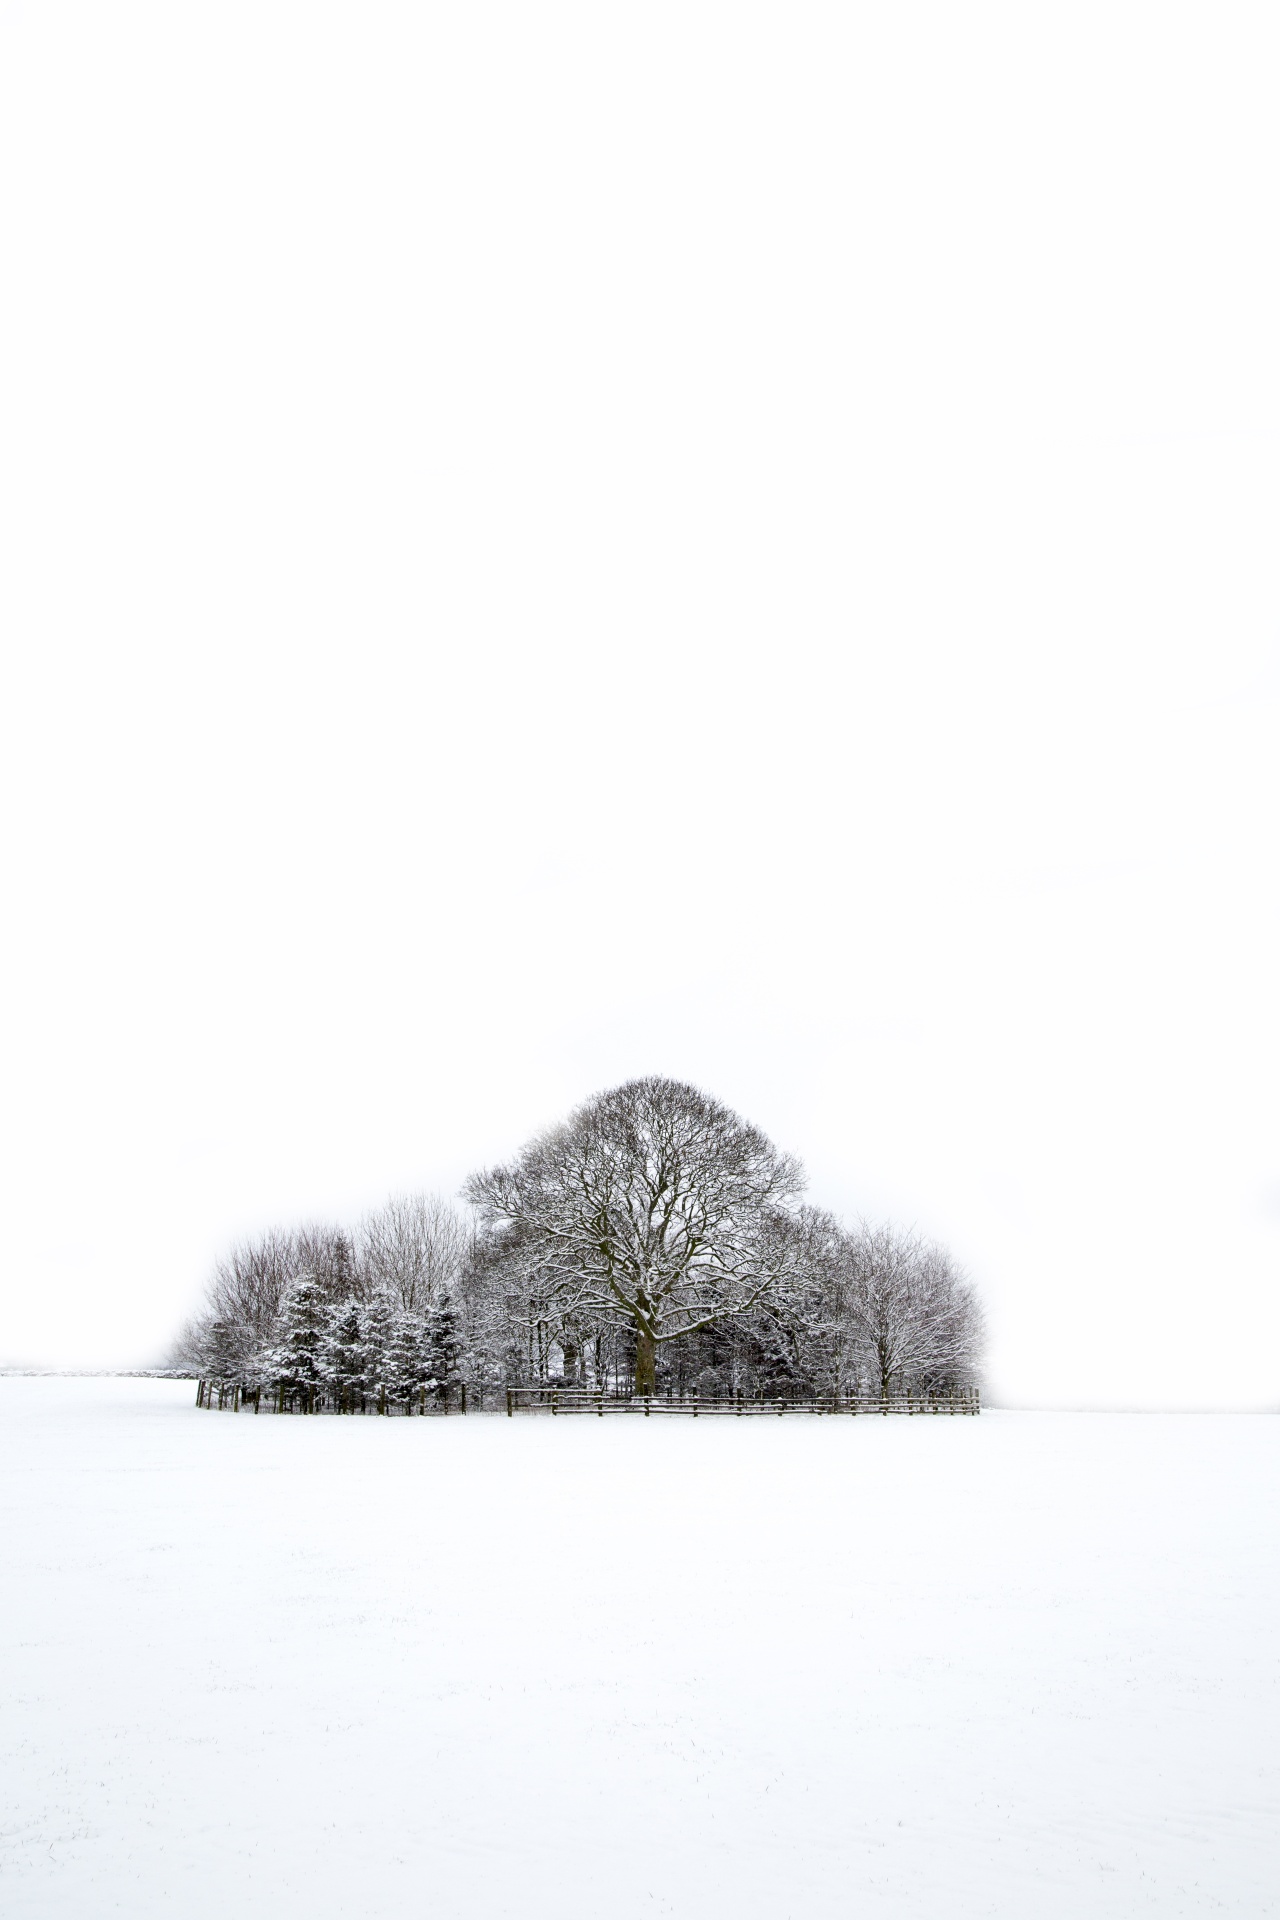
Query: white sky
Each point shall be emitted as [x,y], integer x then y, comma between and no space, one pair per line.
[546,542]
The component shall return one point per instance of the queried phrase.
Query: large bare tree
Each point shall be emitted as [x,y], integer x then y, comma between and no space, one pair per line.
[652,1207]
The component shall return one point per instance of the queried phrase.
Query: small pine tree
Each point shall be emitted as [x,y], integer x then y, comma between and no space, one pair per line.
[444,1346]
[342,1268]
[408,1358]
[343,1357]
[222,1355]
[295,1359]
[378,1326]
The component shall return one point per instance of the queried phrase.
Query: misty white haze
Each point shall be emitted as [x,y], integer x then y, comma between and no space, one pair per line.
[544,545]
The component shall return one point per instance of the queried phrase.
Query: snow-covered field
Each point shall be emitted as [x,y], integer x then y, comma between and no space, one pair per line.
[1022,1665]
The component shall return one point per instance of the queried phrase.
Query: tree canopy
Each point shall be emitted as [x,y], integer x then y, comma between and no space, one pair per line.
[654,1206]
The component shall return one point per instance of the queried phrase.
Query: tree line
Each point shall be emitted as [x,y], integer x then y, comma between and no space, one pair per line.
[653,1242]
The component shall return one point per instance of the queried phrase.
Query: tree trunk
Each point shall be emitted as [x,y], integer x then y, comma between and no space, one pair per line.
[646,1361]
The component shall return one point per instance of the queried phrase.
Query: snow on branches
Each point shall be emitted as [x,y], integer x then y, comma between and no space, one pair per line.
[655,1241]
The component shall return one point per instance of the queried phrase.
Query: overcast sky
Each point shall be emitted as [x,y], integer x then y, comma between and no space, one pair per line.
[544,543]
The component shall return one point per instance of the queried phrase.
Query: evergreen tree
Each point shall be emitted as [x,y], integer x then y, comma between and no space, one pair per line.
[378,1325]
[444,1346]
[343,1277]
[222,1351]
[295,1359]
[343,1356]
[408,1368]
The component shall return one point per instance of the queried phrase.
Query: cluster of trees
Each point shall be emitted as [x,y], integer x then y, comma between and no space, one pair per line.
[653,1241]
[370,1315]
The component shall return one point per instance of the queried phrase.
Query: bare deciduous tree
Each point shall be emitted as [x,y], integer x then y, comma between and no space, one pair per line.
[653,1207]
[243,1303]
[914,1313]
[416,1247]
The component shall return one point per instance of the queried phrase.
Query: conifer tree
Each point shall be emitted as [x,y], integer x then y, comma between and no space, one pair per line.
[378,1325]
[222,1353]
[343,1277]
[408,1360]
[295,1360]
[444,1346]
[343,1356]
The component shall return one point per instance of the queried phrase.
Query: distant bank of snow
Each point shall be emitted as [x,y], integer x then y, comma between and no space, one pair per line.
[981,1668]
[96,1373]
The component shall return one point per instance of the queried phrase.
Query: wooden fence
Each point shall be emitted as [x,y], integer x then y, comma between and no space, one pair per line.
[563,1400]
[233,1395]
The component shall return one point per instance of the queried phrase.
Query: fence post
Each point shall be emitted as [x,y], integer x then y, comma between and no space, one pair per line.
[508,1403]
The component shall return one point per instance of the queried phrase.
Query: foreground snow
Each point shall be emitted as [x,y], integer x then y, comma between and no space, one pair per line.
[1018,1665]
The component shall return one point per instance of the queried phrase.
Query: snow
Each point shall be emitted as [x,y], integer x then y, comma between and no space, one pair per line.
[1020,1664]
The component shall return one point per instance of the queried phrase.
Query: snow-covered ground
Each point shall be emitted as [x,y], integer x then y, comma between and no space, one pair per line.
[1022,1665]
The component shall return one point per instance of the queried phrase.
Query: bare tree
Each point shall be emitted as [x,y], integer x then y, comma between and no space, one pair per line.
[520,1317]
[807,1327]
[214,1349]
[242,1304]
[904,1300]
[328,1255]
[653,1207]
[416,1246]
[247,1289]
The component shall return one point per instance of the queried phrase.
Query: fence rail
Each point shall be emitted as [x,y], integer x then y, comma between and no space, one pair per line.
[235,1395]
[568,1400]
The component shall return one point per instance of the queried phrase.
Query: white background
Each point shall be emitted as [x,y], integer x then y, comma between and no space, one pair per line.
[547,542]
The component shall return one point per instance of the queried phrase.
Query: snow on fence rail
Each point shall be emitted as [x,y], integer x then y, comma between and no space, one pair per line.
[233,1395]
[558,1400]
